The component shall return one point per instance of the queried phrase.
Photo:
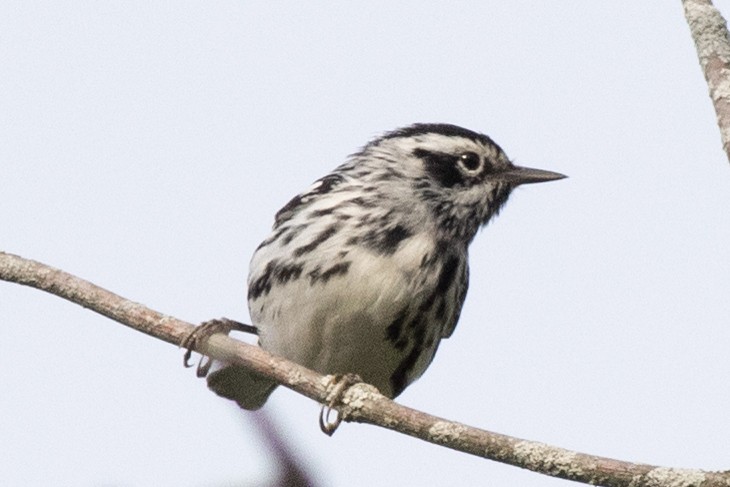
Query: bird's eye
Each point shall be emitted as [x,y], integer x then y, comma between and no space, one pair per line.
[470,161]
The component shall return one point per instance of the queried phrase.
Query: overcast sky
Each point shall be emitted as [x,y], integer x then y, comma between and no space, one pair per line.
[145,146]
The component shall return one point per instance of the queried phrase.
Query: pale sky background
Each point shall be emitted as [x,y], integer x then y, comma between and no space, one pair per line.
[145,146]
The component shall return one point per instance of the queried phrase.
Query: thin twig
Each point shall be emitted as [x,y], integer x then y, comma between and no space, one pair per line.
[709,31]
[361,402]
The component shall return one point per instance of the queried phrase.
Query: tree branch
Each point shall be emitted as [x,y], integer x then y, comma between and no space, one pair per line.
[361,402]
[709,31]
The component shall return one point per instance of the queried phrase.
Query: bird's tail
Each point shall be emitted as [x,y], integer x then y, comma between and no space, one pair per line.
[249,389]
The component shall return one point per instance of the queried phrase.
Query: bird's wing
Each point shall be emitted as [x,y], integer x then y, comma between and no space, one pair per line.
[300,201]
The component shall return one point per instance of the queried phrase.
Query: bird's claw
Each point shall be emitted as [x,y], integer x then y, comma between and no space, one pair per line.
[338,384]
[205,331]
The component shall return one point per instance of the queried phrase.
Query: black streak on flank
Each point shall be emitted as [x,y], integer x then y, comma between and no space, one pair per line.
[291,234]
[273,273]
[446,280]
[262,284]
[361,202]
[395,330]
[453,319]
[285,273]
[324,235]
[386,242]
[336,270]
[441,167]
[399,379]
[322,212]
[448,272]
[393,237]
[441,310]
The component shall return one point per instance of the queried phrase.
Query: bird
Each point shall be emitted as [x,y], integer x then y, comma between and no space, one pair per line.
[366,271]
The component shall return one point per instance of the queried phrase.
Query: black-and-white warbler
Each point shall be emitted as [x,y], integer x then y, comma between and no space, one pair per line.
[366,271]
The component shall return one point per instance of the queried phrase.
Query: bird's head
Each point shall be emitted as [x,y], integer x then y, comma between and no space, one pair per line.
[462,178]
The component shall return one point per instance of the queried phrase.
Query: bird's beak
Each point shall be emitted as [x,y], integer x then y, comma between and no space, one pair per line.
[526,175]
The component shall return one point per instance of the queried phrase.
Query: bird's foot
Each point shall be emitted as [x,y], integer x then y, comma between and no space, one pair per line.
[338,385]
[205,331]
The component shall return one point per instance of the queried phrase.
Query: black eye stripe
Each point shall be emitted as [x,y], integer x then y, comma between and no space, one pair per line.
[451,170]
[441,167]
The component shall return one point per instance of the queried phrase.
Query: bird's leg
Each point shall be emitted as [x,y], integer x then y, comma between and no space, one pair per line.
[205,331]
[338,384]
